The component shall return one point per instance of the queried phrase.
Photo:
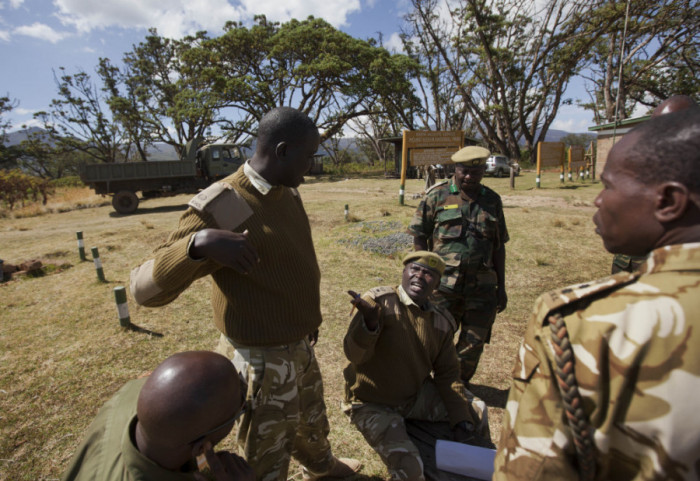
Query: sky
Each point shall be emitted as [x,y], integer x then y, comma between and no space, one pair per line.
[39,36]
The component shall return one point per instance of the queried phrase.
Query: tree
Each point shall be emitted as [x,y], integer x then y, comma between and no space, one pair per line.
[170,90]
[308,65]
[370,129]
[124,105]
[507,64]
[8,155]
[79,120]
[577,139]
[42,157]
[658,52]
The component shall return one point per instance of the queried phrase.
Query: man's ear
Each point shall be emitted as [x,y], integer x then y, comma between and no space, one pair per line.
[672,200]
[281,150]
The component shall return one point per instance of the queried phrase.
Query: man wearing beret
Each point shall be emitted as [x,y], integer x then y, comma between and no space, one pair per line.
[395,341]
[463,222]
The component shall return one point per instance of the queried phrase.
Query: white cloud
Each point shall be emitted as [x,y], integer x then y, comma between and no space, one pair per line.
[576,125]
[4,35]
[572,118]
[41,31]
[22,111]
[394,44]
[177,18]
[172,19]
[334,12]
[16,3]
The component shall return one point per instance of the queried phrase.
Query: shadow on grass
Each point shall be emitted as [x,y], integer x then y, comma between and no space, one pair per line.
[143,330]
[152,210]
[493,397]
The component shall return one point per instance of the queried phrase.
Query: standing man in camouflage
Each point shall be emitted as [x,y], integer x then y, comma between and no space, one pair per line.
[403,366]
[605,383]
[462,221]
[250,232]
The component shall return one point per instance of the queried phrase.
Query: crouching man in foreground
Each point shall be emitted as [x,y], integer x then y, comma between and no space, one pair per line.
[394,342]
[154,427]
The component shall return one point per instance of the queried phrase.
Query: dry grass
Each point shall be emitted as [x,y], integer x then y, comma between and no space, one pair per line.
[63,353]
[64,199]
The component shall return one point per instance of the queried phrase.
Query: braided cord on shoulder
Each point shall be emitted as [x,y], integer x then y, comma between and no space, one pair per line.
[573,404]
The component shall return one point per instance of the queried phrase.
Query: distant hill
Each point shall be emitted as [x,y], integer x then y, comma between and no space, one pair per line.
[14,138]
[162,151]
[554,135]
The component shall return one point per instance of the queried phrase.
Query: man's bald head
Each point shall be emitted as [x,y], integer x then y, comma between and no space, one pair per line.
[283,124]
[674,104]
[188,394]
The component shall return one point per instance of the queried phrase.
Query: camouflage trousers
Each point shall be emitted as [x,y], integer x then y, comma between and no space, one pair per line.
[384,428]
[285,412]
[475,314]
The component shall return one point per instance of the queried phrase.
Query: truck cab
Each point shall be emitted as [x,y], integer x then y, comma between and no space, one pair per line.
[215,161]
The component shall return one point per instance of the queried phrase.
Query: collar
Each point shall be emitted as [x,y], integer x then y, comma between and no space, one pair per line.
[408,302]
[678,257]
[258,181]
[140,467]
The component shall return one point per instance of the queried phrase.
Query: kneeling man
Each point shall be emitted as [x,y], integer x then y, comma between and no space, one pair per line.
[403,365]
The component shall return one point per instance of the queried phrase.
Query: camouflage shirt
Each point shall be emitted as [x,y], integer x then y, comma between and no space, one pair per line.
[624,262]
[636,343]
[464,233]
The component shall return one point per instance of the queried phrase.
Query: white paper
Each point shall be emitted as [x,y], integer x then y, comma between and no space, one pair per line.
[464,459]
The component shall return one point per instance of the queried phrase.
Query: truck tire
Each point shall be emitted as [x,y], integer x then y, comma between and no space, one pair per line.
[125,202]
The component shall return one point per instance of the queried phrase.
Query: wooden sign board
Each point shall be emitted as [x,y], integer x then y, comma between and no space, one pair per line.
[551,154]
[416,139]
[432,156]
[576,157]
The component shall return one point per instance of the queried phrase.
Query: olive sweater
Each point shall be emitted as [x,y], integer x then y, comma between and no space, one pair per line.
[389,365]
[278,301]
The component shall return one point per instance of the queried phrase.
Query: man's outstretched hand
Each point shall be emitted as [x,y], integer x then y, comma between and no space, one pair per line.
[369,313]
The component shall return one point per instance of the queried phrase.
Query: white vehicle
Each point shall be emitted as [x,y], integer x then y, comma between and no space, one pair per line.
[499,165]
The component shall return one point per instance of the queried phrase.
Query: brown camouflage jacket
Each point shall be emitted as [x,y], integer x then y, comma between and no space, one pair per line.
[636,344]
[464,233]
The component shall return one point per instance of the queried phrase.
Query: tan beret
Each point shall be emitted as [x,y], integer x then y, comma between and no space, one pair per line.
[426,259]
[473,156]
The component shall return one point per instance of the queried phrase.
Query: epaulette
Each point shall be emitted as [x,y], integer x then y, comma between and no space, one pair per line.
[377,292]
[555,300]
[224,204]
[446,315]
[436,185]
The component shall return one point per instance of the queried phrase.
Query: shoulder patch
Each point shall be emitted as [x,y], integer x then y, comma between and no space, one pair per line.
[444,182]
[443,320]
[554,300]
[377,292]
[226,205]
[206,196]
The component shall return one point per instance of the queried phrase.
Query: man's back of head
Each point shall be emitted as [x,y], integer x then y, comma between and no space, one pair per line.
[189,394]
[282,124]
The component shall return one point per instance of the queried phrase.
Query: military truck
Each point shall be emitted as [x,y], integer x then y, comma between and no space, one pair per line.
[199,166]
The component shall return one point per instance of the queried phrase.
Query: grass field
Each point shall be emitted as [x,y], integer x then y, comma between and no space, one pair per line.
[63,353]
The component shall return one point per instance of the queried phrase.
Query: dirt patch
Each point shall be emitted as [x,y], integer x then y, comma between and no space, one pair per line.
[32,268]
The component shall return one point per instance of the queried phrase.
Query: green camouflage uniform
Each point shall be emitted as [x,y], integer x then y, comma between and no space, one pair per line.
[389,378]
[285,413]
[108,451]
[636,344]
[623,262]
[465,234]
